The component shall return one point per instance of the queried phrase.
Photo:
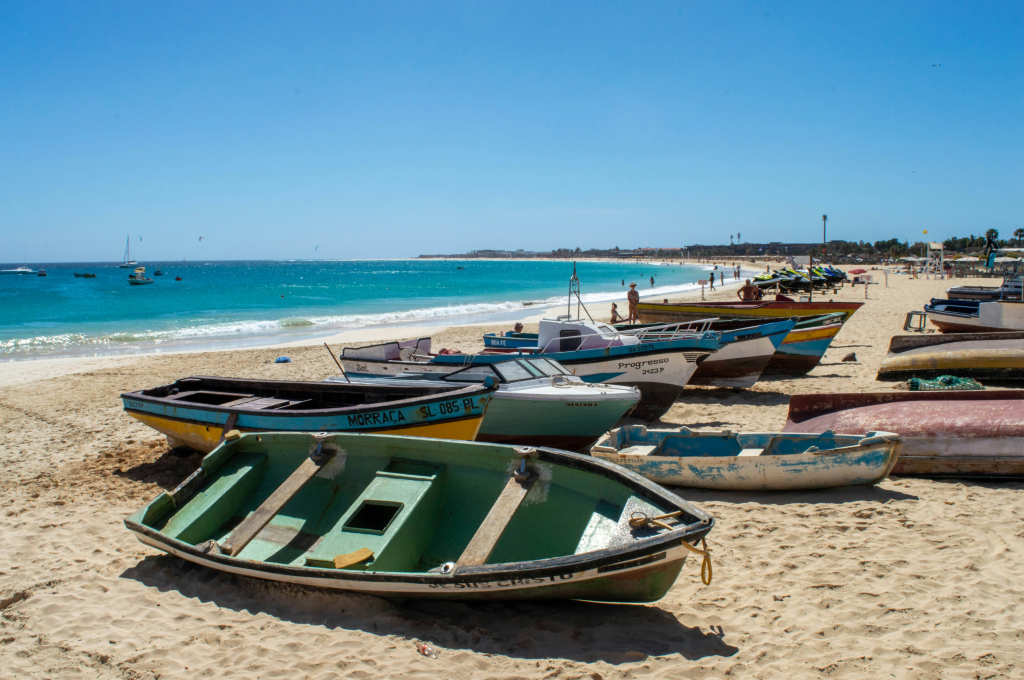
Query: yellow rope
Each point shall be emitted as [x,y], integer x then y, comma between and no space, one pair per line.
[639,519]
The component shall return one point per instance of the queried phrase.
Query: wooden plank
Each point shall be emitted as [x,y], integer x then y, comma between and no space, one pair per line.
[232,417]
[254,523]
[490,530]
[361,555]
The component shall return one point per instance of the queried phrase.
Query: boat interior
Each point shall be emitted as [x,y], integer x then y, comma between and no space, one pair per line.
[385,504]
[267,395]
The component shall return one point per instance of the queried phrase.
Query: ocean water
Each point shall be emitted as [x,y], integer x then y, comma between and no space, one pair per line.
[244,303]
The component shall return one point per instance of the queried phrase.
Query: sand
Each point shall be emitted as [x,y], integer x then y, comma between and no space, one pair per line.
[909,579]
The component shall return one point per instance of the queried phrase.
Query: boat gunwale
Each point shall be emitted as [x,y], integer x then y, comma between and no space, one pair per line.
[473,390]
[635,549]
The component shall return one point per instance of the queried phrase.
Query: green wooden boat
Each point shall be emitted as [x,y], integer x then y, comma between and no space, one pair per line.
[406,517]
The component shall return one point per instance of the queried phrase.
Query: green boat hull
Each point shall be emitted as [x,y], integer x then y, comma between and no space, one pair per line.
[563,424]
[418,507]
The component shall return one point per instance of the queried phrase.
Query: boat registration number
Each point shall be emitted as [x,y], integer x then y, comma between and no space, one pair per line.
[133,404]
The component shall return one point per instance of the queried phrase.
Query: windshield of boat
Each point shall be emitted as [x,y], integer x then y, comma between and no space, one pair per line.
[510,371]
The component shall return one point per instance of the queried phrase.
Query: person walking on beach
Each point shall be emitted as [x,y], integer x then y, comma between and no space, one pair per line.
[615,315]
[633,298]
[712,280]
[747,292]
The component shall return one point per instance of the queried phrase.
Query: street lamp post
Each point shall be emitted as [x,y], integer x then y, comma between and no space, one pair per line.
[824,219]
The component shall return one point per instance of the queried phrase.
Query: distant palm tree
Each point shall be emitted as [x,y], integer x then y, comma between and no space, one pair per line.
[992,234]
[737,238]
[1019,233]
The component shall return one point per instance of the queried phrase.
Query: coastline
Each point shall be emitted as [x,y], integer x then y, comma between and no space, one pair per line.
[287,336]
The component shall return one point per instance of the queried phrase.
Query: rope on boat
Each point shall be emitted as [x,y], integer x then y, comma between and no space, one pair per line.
[638,520]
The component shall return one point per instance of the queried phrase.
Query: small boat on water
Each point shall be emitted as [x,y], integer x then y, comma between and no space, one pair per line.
[197,411]
[139,278]
[976,316]
[982,356]
[42,272]
[158,273]
[403,517]
[751,461]
[84,276]
[128,262]
[18,271]
[595,352]
[538,402]
[945,434]
[177,278]
[661,312]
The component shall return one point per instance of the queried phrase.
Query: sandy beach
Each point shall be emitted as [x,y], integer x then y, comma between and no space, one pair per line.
[913,578]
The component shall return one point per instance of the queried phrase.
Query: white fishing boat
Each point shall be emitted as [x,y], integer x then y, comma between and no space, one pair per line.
[128,262]
[751,461]
[19,270]
[538,402]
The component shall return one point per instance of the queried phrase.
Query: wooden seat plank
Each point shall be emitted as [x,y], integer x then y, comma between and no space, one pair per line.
[254,523]
[490,530]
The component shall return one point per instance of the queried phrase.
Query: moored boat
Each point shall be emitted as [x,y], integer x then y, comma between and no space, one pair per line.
[945,434]
[976,316]
[138,277]
[661,312]
[751,461]
[197,411]
[805,345]
[554,408]
[18,270]
[748,345]
[403,517]
[595,352]
[983,356]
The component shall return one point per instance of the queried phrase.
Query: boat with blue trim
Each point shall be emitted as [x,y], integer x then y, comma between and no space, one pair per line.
[197,411]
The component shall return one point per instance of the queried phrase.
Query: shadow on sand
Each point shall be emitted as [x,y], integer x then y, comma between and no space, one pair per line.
[578,631]
[835,496]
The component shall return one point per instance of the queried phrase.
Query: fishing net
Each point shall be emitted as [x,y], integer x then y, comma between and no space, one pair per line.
[943,382]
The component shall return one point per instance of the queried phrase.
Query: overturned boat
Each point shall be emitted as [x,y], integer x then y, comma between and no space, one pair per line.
[983,356]
[945,434]
[197,411]
[751,461]
[404,517]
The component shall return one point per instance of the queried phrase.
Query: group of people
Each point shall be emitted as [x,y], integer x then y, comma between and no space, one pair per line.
[632,299]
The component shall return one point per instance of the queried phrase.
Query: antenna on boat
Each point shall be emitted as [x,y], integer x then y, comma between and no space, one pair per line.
[574,289]
[337,362]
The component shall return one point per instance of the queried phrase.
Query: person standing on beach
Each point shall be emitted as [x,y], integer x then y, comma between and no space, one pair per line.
[712,280]
[722,274]
[633,298]
[652,282]
[747,292]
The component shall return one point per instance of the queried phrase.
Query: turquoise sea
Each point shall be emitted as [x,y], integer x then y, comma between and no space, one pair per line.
[244,303]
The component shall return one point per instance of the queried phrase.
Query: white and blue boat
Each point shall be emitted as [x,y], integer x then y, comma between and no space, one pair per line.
[751,461]
[592,351]
[538,402]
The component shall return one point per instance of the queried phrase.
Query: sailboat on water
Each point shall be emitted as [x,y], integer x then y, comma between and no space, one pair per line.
[128,263]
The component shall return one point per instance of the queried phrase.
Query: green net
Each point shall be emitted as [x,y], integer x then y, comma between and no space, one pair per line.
[943,382]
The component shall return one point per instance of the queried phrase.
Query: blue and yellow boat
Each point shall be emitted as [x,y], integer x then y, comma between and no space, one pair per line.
[197,411]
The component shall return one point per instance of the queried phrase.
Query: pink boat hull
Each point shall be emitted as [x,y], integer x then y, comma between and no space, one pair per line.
[959,433]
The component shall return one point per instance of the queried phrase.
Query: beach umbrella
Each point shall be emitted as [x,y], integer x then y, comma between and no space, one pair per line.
[858,271]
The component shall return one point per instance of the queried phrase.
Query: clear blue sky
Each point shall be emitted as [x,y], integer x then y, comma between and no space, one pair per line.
[384,129]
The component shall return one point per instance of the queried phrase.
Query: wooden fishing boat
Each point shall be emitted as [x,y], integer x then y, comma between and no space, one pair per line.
[751,461]
[197,411]
[976,316]
[983,356]
[538,402]
[1011,289]
[404,517]
[510,340]
[659,312]
[805,345]
[595,352]
[748,345]
[945,434]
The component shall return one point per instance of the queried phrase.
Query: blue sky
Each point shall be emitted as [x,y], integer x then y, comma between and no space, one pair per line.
[400,128]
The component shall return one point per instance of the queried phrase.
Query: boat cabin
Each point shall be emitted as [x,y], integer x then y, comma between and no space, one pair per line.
[566,335]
